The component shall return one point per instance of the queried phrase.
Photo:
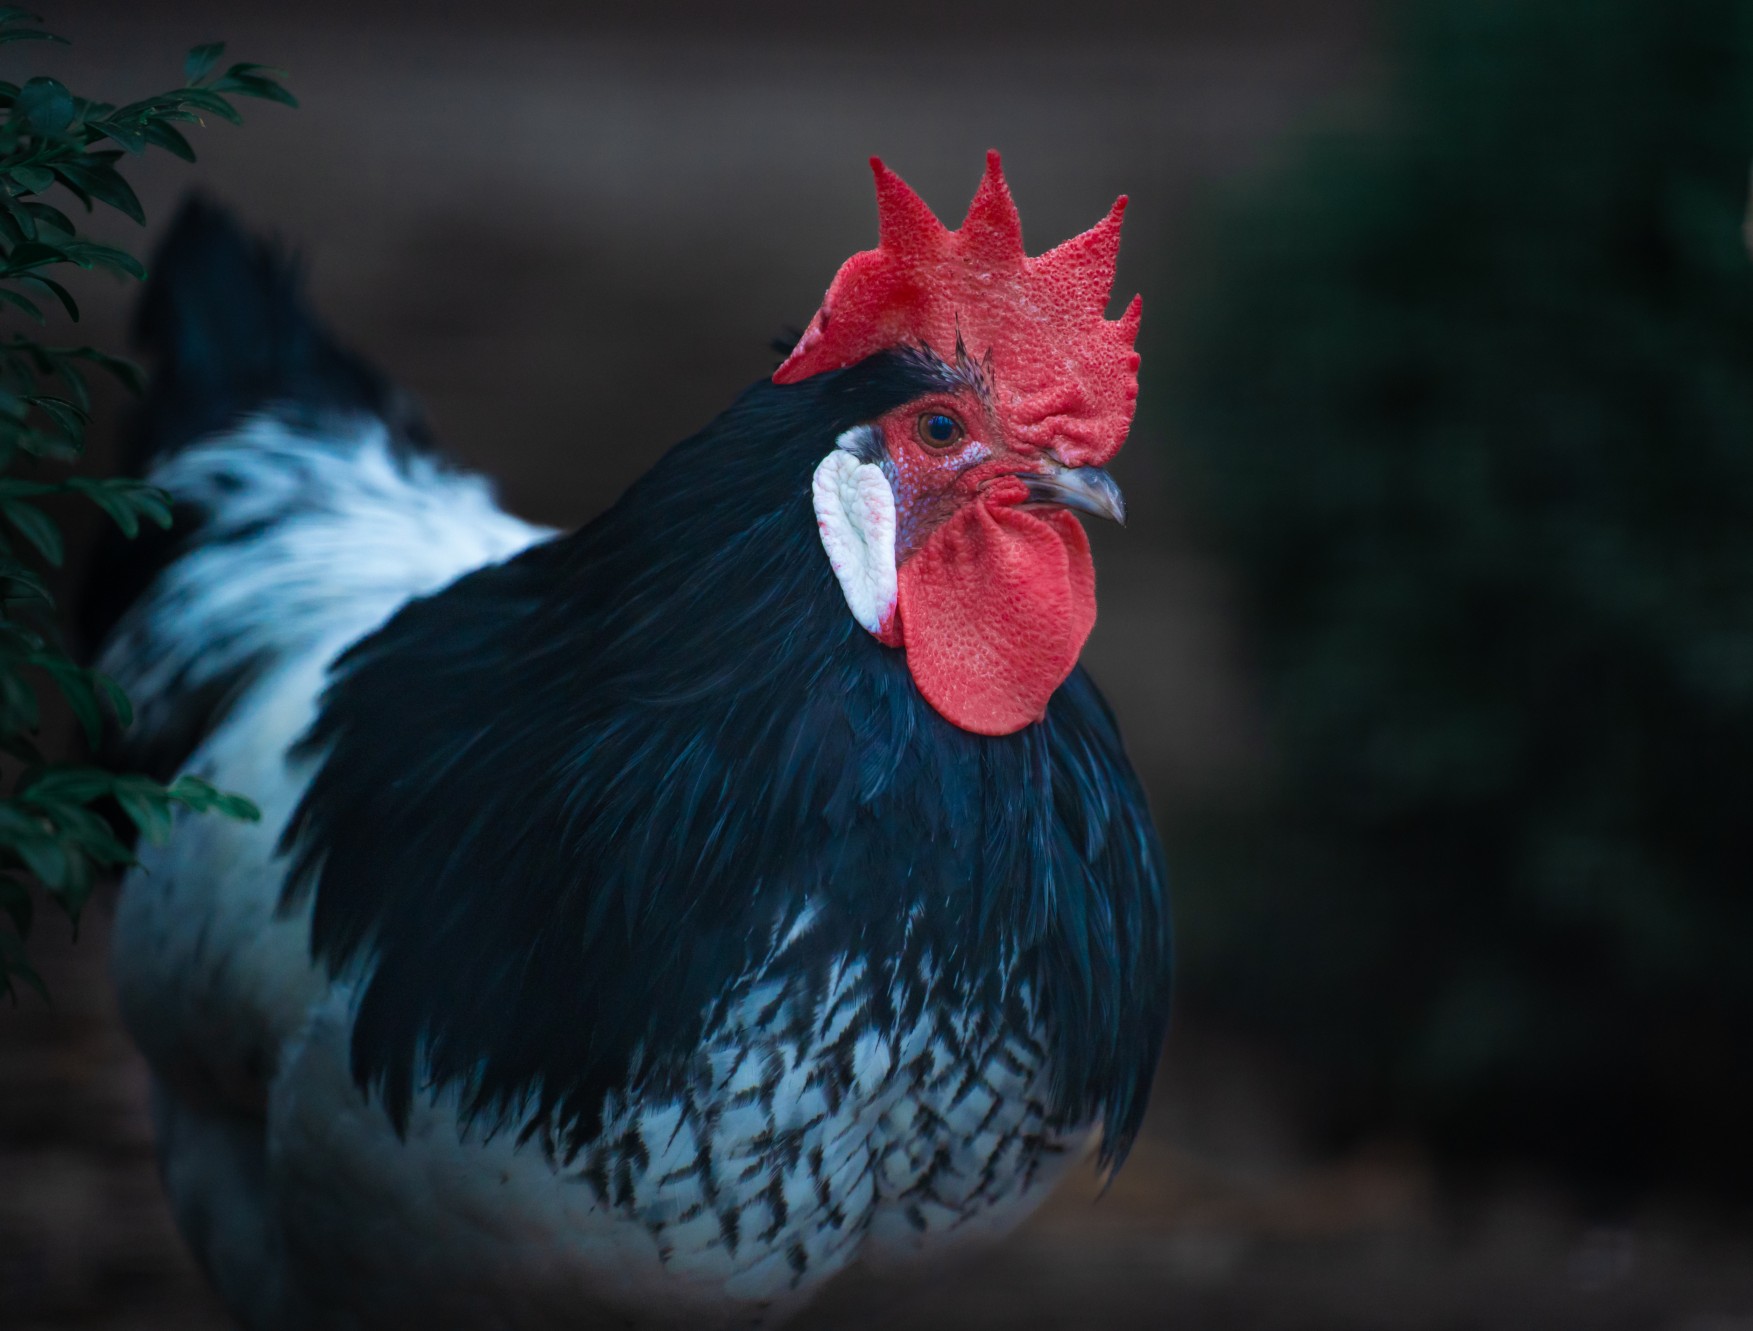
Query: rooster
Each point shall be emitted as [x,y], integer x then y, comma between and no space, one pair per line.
[646,922]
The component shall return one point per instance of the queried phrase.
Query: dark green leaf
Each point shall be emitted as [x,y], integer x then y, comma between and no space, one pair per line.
[75,886]
[253,85]
[19,641]
[22,302]
[18,582]
[21,748]
[64,413]
[129,136]
[75,686]
[72,379]
[113,694]
[44,858]
[54,446]
[87,254]
[16,822]
[129,374]
[36,527]
[201,60]
[35,179]
[78,785]
[29,35]
[120,511]
[56,290]
[148,808]
[201,796]
[126,501]
[78,191]
[231,805]
[44,214]
[18,703]
[34,254]
[152,504]
[170,139]
[207,100]
[98,179]
[18,219]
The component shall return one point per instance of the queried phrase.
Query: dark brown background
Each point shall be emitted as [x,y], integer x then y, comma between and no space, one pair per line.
[572,230]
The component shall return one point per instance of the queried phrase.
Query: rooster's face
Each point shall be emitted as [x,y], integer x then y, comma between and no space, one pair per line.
[949,520]
[949,449]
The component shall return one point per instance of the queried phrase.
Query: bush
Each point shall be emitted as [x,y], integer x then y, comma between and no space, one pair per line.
[1470,400]
[55,835]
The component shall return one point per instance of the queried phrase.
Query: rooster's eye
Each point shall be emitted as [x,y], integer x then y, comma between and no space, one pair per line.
[937,430]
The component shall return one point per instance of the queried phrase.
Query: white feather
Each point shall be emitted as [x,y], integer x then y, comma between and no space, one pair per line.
[313,541]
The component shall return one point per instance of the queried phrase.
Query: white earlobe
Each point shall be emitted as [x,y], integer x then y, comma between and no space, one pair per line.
[855,513]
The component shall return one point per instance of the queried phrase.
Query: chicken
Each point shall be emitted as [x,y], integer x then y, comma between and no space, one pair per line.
[646,922]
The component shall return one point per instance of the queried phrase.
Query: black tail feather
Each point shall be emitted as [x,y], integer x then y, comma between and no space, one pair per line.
[225,324]
[225,320]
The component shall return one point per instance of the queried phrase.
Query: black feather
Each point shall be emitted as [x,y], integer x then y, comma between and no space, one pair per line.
[565,804]
[225,323]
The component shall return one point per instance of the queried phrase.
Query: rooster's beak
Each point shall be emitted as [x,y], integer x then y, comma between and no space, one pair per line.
[1085,489]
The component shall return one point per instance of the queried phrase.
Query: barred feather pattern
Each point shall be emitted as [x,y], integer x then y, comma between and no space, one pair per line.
[804,1134]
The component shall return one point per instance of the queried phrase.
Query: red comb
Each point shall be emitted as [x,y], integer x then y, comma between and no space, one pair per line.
[1065,376]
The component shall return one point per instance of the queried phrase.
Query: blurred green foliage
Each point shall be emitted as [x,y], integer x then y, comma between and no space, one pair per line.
[56,825]
[1468,399]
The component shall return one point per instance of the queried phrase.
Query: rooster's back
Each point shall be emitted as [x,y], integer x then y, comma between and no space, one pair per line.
[309,507]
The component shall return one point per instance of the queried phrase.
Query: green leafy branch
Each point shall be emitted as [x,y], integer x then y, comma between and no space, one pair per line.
[55,837]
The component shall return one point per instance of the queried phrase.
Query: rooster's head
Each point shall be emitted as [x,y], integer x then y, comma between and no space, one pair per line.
[949,519]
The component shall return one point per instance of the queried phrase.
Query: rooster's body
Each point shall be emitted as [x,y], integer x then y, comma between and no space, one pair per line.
[626,936]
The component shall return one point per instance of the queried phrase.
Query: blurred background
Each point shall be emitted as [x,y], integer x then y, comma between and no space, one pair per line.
[1432,634]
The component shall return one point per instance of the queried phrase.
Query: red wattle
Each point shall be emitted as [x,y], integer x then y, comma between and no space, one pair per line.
[994,609]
